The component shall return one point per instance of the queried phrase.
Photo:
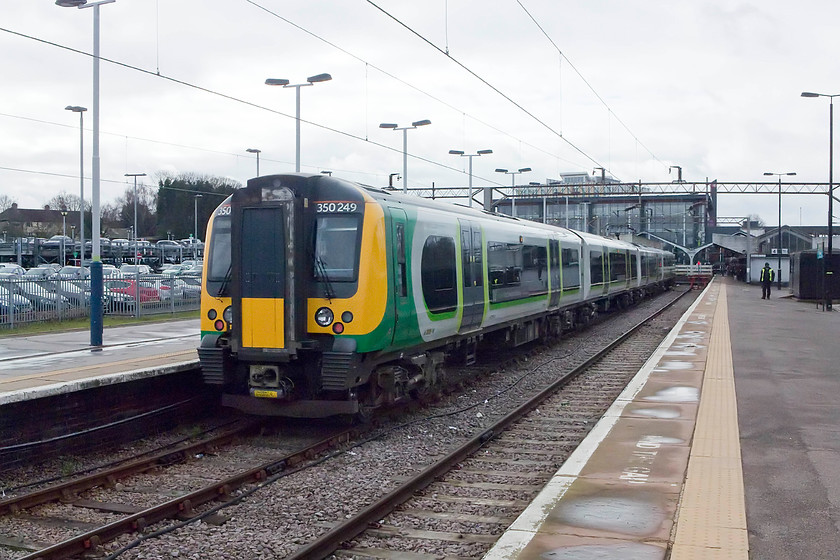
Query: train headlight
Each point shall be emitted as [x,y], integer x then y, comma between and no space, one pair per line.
[227,315]
[324,317]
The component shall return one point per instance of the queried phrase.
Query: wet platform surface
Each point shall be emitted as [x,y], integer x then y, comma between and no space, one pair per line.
[691,462]
[42,365]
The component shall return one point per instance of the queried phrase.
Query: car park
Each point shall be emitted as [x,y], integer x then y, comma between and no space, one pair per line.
[40,298]
[20,303]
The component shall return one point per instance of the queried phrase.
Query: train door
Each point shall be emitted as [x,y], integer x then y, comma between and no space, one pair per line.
[554,268]
[403,310]
[473,276]
[263,266]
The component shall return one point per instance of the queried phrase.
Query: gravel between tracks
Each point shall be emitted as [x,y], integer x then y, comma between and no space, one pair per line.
[276,520]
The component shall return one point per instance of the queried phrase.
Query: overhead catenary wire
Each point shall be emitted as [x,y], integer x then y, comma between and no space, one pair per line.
[239,100]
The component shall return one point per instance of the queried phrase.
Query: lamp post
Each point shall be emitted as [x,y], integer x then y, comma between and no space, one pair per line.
[255,151]
[63,236]
[195,231]
[513,175]
[96,287]
[779,240]
[470,156]
[135,175]
[827,257]
[285,83]
[81,111]
[405,130]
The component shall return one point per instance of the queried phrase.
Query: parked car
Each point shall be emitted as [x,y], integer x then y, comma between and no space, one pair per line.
[76,294]
[40,273]
[73,272]
[13,269]
[11,299]
[40,298]
[134,269]
[111,271]
[129,287]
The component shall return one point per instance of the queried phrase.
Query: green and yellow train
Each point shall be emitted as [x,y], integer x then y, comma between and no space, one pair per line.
[324,297]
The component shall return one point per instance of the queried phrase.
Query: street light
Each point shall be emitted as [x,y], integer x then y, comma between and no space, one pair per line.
[827,258]
[195,231]
[135,175]
[513,175]
[81,111]
[255,151]
[470,156]
[63,236]
[285,83]
[679,173]
[779,241]
[405,130]
[96,287]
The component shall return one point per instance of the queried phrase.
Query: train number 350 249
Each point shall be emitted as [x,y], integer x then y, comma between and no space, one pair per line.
[336,206]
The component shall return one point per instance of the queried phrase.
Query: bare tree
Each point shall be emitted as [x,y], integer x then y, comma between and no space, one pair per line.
[5,202]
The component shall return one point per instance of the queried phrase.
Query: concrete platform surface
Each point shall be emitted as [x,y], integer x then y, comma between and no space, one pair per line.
[39,365]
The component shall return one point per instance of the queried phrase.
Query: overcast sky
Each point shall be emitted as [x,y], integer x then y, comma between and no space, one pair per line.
[711,86]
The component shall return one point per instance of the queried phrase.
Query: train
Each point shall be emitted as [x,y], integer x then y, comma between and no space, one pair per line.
[322,297]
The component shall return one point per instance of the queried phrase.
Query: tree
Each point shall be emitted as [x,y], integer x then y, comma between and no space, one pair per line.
[5,202]
[176,202]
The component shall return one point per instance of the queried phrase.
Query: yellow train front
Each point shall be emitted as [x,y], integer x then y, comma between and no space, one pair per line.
[287,310]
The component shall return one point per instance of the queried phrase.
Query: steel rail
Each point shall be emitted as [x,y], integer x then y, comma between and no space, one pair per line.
[183,505]
[65,490]
[330,541]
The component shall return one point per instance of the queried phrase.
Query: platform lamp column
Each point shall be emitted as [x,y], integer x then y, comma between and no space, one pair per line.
[195,232]
[81,111]
[827,257]
[135,175]
[513,175]
[471,156]
[96,284]
[405,130]
[285,83]
[257,152]
[63,236]
[779,238]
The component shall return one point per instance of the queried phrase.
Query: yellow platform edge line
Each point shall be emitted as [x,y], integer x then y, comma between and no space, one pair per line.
[712,518]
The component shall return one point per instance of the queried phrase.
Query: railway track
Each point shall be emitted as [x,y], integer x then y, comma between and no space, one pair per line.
[67,506]
[483,483]
[460,506]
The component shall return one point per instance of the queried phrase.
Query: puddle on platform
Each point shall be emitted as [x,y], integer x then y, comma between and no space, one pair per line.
[676,394]
[674,365]
[663,413]
[625,551]
[611,513]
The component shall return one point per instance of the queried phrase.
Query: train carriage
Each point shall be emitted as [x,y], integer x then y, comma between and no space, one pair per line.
[323,297]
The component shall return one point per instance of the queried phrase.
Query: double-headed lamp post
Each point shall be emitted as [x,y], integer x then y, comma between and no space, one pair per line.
[96,284]
[405,130]
[513,175]
[81,111]
[135,175]
[285,83]
[471,156]
[827,257]
[257,152]
[779,240]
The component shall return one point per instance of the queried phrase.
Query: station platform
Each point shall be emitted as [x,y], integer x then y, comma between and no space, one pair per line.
[724,446]
[45,365]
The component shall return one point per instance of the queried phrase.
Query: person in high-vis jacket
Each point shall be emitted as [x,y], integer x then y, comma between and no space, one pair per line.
[766,279]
